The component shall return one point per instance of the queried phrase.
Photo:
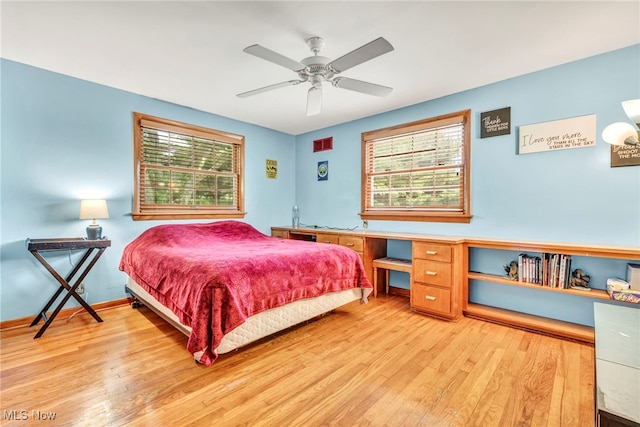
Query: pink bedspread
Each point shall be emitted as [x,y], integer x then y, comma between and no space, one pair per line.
[214,276]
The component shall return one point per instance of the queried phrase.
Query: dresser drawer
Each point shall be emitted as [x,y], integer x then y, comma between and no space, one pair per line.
[431,299]
[432,272]
[432,251]
[327,238]
[355,243]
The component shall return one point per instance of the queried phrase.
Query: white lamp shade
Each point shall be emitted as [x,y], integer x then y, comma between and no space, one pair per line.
[93,209]
[632,110]
[617,133]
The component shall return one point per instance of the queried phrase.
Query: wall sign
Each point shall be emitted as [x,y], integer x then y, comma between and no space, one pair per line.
[272,169]
[577,132]
[625,155]
[496,122]
[323,170]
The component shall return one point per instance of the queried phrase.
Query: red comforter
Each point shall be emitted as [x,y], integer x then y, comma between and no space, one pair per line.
[214,276]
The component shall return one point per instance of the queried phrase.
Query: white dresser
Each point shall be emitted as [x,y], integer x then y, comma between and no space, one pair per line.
[617,352]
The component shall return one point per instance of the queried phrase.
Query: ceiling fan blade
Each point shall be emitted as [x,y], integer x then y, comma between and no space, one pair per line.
[314,101]
[275,57]
[268,88]
[360,86]
[362,54]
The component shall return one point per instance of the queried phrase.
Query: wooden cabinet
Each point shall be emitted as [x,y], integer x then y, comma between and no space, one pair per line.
[435,279]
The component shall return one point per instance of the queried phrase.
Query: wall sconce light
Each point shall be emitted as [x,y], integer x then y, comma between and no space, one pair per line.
[624,133]
[94,209]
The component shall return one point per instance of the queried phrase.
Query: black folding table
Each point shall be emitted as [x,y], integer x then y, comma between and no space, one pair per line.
[95,247]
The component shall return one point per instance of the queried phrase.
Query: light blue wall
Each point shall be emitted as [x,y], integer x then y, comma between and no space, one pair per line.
[562,196]
[65,139]
[566,196]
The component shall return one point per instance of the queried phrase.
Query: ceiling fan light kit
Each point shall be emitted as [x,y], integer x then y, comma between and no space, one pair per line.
[317,69]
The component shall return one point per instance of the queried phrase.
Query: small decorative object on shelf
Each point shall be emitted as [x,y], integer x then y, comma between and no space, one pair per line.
[512,271]
[579,280]
[618,290]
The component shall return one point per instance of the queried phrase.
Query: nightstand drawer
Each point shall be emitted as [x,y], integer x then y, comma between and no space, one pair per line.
[432,272]
[355,243]
[431,299]
[432,251]
[327,238]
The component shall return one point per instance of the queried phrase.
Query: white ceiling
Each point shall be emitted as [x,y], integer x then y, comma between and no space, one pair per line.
[190,53]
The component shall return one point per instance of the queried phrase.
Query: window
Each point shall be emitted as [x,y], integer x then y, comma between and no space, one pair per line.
[418,171]
[183,171]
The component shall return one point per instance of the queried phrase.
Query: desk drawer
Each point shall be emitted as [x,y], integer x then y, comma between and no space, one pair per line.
[282,234]
[355,243]
[431,299]
[432,272]
[432,251]
[327,238]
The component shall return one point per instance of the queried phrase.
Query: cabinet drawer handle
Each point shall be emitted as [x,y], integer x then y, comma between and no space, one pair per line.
[429,297]
[349,244]
[431,252]
[430,273]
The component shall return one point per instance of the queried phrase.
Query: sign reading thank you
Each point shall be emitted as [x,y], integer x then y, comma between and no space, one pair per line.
[496,122]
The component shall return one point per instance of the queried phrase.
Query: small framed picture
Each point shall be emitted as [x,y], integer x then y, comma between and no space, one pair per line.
[323,170]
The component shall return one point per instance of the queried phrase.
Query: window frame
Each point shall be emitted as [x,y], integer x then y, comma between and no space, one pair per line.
[186,212]
[424,214]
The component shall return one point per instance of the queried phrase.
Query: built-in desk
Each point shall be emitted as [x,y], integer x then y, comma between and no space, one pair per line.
[617,351]
[437,268]
[441,277]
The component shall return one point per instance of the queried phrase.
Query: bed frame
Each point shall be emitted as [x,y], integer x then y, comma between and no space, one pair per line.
[260,325]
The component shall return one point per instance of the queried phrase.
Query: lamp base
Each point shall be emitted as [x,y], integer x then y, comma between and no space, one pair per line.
[94,232]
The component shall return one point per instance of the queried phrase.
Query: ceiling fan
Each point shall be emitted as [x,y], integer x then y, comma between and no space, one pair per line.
[317,69]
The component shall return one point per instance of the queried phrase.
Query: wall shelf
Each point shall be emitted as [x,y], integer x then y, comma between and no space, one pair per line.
[545,325]
[593,293]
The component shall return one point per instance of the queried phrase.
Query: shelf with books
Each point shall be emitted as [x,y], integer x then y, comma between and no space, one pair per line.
[559,311]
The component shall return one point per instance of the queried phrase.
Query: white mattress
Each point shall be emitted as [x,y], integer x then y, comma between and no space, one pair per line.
[266,322]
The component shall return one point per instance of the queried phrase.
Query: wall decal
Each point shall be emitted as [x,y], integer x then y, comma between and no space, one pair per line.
[323,170]
[495,123]
[577,132]
[272,169]
[625,155]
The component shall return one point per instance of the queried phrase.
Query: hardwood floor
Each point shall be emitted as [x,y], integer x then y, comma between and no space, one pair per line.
[363,365]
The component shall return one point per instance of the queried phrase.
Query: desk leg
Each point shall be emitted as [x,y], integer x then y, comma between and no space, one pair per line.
[64,284]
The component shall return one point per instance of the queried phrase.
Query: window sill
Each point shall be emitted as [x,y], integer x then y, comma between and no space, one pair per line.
[137,216]
[417,216]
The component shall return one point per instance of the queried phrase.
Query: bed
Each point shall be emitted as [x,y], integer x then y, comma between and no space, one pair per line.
[225,284]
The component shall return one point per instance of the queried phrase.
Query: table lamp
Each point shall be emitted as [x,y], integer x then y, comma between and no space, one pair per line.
[94,209]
